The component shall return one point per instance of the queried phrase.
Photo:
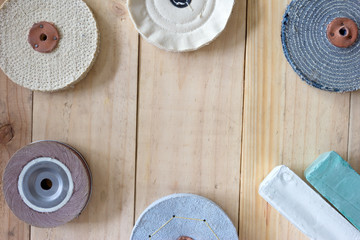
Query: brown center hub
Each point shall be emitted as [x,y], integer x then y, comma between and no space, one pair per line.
[342,32]
[184,238]
[43,37]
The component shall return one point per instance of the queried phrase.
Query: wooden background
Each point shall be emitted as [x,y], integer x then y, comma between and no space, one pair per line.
[212,122]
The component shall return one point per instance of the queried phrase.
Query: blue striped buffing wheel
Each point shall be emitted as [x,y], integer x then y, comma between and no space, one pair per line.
[309,51]
[184,217]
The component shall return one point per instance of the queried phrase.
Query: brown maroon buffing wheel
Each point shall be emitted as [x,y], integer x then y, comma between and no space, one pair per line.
[47,184]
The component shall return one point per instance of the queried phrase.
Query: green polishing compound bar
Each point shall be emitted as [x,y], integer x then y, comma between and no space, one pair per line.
[338,182]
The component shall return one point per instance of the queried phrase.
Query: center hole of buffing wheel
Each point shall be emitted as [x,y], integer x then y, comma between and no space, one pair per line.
[43,37]
[46,184]
[181,3]
[343,32]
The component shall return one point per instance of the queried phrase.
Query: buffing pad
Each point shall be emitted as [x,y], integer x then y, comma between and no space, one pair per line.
[320,41]
[180,25]
[184,215]
[302,206]
[47,184]
[338,182]
[33,55]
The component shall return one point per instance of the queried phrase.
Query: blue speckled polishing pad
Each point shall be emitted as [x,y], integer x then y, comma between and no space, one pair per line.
[308,50]
[184,215]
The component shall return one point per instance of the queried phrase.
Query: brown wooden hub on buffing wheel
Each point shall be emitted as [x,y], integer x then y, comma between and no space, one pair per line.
[43,37]
[184,238]
[342,32]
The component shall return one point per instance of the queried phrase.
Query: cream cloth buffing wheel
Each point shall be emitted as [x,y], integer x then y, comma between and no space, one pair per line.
[73,56]
[180,25]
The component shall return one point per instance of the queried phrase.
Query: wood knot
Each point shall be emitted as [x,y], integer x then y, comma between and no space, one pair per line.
[6,134]
[11,233]
[119,9]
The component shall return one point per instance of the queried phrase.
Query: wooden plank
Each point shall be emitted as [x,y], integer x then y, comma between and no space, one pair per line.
[285,121]
[98,117]
[15,132]
[190,118]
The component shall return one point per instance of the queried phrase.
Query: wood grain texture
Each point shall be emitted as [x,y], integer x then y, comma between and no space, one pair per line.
[98,117]
[15,132]
[201,128]
[285,122]
[354,132]
[190,118]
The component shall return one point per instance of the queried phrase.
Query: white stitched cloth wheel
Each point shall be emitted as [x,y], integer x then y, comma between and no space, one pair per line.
[68,63]
[180,25]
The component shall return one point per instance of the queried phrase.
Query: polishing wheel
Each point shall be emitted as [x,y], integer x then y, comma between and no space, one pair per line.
[184,217]
[321,42]
[180,25]
[47,184]
[47,45]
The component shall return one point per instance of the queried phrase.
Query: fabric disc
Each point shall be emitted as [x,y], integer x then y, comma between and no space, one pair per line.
[308,49]
[58,68]
[47,184]
[180,25]
[184,215]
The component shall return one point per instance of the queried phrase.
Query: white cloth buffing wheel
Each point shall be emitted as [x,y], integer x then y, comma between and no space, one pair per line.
[184,215]
[180,25]
[68,63]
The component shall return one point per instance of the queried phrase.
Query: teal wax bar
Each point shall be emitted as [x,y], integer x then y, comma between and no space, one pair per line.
[338,182]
